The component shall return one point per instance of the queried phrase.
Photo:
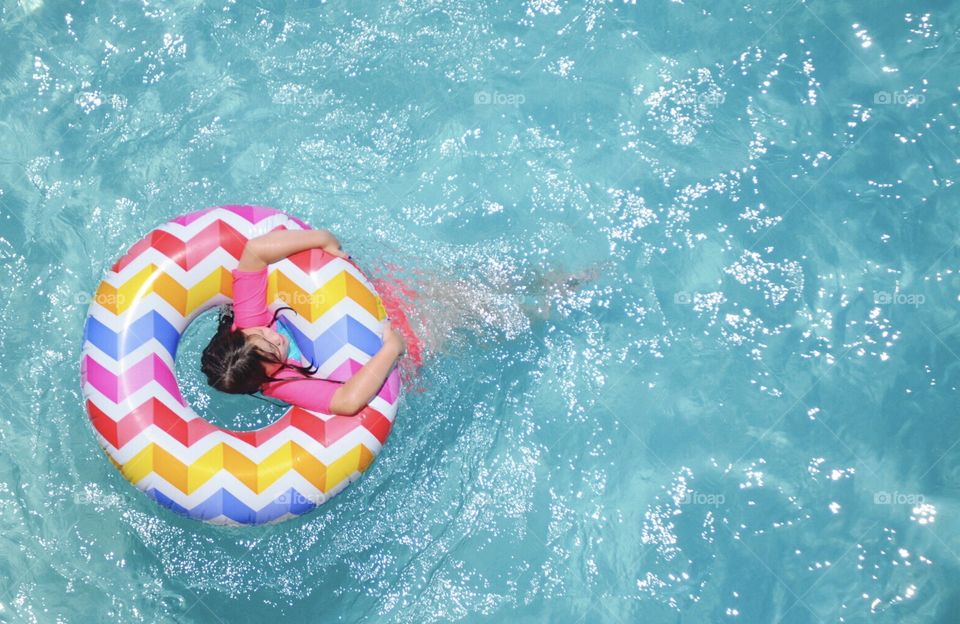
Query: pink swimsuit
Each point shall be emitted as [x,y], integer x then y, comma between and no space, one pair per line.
[250,310]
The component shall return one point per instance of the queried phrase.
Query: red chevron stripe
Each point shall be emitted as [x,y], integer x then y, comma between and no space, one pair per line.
[155,412]
[329,431]
[191,252]
[376,423]
[151,412]
[311,260]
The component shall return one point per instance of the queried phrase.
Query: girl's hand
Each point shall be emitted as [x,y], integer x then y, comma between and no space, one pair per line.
[335,248]
[394,339]
[268,248]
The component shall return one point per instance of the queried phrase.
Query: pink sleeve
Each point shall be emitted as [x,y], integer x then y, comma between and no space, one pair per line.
[250,299]
[306,392]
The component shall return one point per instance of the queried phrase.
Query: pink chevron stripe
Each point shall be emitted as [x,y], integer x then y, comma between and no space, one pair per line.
[300,223]
[346,370]
[118,387]
[100,378]
[391,387]
[187,219]
[253,214]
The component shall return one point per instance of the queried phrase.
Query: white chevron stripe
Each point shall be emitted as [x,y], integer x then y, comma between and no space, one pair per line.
[116,322]
[316,279]
[320,415]
[189,455]
[153,256]
[148,391]
[280,519]
[343,308]
[225,521]
[339,357]
[150,347]
[240,224]
[227,481]
[220,257]
[152,301]
[217,258]
[389,410]
[116,411]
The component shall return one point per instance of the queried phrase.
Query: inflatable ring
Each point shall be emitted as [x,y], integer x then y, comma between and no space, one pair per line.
[150,433]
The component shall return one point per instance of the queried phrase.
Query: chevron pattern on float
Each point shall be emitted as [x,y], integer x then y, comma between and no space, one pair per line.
[135,322]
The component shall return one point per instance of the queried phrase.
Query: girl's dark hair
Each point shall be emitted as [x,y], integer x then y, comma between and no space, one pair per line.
[234,364]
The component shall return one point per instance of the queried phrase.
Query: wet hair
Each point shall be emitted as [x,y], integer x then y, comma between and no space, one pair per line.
[234,364]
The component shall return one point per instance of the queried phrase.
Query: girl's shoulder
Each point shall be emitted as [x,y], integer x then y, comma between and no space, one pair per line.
[290,373]
[250,298]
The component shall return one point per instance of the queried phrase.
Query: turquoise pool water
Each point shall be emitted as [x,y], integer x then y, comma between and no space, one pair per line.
[749,416]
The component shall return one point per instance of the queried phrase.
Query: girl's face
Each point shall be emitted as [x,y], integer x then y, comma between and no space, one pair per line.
[269,341]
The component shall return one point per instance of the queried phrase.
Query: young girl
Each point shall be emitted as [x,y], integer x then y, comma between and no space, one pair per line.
[247,354]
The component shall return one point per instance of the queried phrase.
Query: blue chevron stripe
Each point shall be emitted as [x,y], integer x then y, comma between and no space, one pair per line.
[224,503]
[346,330]
[130,338]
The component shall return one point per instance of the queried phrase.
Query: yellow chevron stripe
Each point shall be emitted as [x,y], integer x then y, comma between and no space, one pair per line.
[356,459]
[258,477]
[118,299]
[171,290]
[217,283]
[310,305]
[152,280]
[313,305]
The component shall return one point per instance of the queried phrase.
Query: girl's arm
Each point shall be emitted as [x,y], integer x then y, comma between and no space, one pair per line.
[277,245]
[354,395]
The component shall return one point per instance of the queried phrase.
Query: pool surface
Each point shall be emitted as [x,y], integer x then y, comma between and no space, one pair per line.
[749,415]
